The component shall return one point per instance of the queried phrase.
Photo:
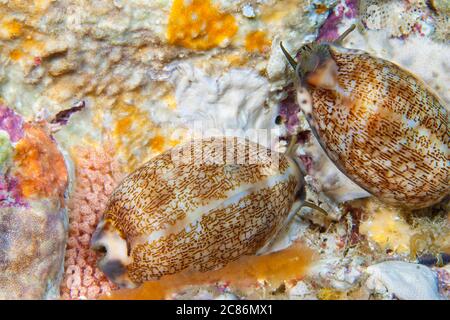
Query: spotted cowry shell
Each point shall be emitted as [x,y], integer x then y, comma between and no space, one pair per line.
[200,212]
[382,127]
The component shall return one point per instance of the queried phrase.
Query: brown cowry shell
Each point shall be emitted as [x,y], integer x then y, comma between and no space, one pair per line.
[382,126]
[170,215]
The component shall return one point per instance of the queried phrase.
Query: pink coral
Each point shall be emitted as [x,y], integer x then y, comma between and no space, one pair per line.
[11,122]
[10,195]
[289,108]
[96,177]
[347,9]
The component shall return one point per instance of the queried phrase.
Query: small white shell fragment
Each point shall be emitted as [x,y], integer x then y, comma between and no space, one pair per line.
[300,290]
[406,281]
[340,274]
[248,11]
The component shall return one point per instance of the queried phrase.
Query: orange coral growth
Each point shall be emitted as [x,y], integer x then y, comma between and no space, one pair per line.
[157,143]
[96,177]
[15,54]
[170,100]
[257,41]
[330,294]
[134,147]
[13,28]
[27,49]
[40,166]
[236,60]
[32,46]
[289,264]
[199,25]
[130,122]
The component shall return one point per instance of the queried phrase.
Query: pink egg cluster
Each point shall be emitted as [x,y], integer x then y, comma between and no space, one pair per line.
[96,177]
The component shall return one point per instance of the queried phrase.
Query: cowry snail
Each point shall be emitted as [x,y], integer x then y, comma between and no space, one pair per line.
[380,125]
[175,213]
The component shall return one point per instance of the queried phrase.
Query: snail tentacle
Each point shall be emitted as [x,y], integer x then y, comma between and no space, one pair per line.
[290,150]
[314,206]
[308,204]
[290,59]
[345,34]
